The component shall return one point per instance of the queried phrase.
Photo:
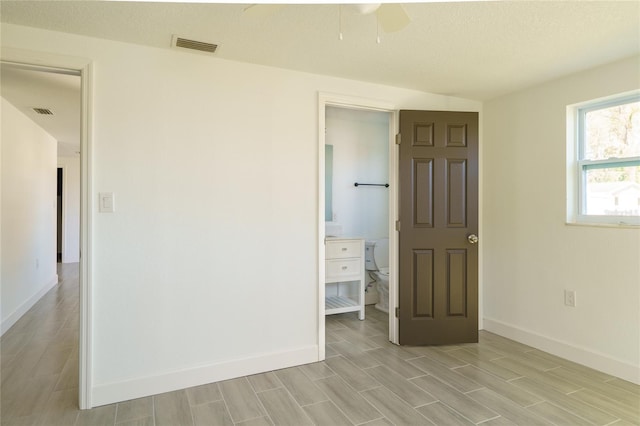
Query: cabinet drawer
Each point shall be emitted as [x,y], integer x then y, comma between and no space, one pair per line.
[342,268]
[342,249]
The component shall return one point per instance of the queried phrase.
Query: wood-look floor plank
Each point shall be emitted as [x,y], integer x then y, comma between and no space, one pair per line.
[555,414]
[143,421]
[283,409]
[388,358]
[352,374]
[326,414]
[260,421]
[394,408]
[355,355]
[134,409]
[356,339]
[445,374]
[303,390]
[487,365]
[382,340]
[172,408]
[590,382]
[204,394]
[442,357]
[440,414]
[617,408]
[625,385]
[213,413]
[347,399]
[499,386]
[30,398]
[506,408]
[598,375]
[264,381]
[466,406]
[532,373]
[62,408]
[317,370]
[407,391]
[241,400]
[588,412]
[99,416]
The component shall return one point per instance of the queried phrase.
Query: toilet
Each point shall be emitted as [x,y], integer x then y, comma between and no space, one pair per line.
[376,261]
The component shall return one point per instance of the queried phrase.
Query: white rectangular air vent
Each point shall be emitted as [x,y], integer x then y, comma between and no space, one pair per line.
[43,111]
[200,46]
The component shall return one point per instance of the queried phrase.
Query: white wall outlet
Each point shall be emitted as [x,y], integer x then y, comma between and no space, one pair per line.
[570,298]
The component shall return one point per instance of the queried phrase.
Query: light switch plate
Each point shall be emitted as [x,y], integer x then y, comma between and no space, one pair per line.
[106,202]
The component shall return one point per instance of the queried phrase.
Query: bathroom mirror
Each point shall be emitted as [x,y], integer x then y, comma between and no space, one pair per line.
[328,183]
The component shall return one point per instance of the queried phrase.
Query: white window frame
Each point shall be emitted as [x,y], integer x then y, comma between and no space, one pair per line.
[578,183]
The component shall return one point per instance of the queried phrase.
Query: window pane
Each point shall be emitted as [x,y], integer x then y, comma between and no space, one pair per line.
[612,132]
[613,191]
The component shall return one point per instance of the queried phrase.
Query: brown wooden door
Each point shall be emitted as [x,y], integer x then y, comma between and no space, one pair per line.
[438,277]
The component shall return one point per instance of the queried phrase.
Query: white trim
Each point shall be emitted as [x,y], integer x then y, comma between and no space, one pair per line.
[577,165]
[180,379]
[14,316]
[82,66]
[580,355]
[331,99]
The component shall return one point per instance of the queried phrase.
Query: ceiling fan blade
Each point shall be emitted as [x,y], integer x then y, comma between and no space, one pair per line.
[261,10]
[392,17]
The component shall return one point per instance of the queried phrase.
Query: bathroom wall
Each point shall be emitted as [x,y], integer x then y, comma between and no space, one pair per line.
[360,142]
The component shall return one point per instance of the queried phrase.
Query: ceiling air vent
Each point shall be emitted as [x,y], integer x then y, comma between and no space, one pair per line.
[43,111]
[200,46]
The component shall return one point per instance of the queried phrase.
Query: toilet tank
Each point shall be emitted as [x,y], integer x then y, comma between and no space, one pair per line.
[381,253]
[376,254]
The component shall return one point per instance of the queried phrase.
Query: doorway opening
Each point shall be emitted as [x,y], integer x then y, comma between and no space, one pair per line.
[358,205]
[60,69]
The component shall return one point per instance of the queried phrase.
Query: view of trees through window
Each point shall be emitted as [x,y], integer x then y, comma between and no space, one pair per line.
[612,187]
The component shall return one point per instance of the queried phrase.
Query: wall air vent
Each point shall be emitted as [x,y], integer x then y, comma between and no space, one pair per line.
[43,111]
[200,46]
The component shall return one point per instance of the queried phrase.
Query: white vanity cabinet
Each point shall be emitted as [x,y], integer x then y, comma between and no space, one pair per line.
[344,276]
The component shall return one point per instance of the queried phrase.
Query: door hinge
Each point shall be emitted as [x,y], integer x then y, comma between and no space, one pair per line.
[397,312]
[398,225]
[398,139]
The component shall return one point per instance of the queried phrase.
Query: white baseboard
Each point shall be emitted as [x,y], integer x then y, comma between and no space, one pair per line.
[152,385]
[13,317]
[577,354]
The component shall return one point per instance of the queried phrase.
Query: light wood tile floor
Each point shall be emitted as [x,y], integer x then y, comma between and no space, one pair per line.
[364,381]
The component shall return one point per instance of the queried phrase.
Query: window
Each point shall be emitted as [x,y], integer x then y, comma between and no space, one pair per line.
[608,161]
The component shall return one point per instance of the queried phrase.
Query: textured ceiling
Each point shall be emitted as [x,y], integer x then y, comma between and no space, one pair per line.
[477,50]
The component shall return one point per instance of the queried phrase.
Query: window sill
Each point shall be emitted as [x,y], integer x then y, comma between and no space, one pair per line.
[604,225]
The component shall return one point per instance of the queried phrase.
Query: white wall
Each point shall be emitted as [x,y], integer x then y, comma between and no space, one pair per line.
[28,213]
[531,256]
[208,267]
[360,142]
[70,208]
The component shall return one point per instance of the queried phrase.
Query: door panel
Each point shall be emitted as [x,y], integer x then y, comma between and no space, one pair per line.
[438,276]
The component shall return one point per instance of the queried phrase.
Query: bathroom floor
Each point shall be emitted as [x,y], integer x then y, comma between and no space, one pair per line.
[364,380]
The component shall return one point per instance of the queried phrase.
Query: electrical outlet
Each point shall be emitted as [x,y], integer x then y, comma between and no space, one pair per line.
[570,298]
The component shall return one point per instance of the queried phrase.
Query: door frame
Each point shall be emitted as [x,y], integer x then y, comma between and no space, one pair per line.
[358,103]
[84,68]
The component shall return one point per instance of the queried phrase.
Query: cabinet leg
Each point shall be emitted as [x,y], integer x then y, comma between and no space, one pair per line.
[361,314]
